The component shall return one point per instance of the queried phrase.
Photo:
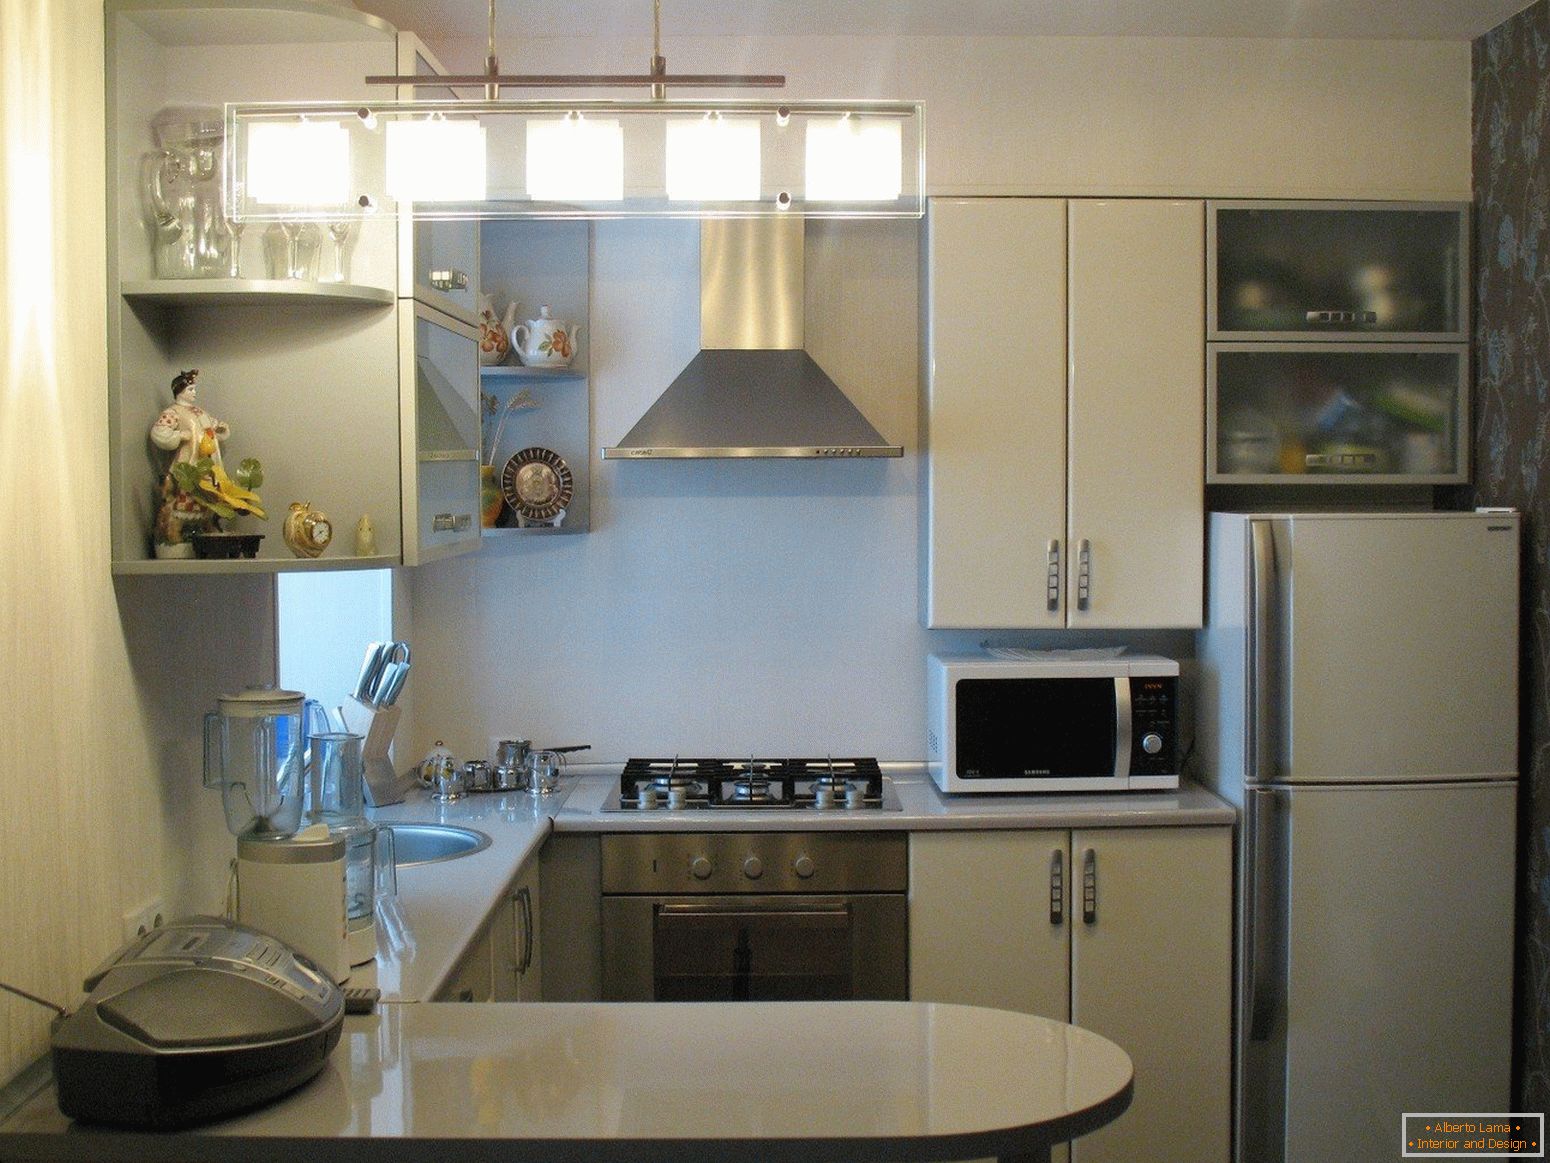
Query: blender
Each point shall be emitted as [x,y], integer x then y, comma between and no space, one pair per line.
[290,880]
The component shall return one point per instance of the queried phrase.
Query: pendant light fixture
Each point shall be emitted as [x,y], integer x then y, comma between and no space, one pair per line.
[497,156]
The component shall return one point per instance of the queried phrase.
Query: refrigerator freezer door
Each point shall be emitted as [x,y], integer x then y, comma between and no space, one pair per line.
[1396,648]
[1395,984]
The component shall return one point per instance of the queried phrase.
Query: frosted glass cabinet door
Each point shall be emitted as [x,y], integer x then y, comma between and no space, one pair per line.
[1387,413]
[1333,270]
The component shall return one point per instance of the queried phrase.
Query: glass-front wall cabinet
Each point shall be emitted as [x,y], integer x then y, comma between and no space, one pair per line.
[1338,343]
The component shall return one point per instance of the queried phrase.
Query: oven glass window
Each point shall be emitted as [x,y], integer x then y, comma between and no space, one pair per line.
[1011,728]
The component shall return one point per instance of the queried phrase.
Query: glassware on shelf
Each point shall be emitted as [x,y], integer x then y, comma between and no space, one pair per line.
[180,187]
[342,235]
[291,250]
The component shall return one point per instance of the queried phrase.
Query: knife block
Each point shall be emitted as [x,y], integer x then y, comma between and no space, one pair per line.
[375,726]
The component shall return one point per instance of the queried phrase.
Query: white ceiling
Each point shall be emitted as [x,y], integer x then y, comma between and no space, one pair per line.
[441,20]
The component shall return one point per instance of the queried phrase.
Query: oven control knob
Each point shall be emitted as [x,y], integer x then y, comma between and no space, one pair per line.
[804,866]
[753,868]
[700,868]
[1151,743]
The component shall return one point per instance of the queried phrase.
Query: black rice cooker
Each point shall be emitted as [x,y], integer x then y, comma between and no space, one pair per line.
[192,1022]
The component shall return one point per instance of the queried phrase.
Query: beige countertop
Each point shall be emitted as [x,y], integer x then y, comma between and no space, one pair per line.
[545,1082]
[441,906]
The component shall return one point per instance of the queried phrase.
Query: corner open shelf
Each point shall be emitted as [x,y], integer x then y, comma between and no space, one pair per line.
[538,264]
[248,292]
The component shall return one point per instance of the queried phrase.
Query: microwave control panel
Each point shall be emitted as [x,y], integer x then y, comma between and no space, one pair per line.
[1153,725]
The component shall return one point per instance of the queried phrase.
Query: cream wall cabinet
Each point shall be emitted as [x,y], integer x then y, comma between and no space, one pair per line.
[1124,931]
[1063,395]
[310,375]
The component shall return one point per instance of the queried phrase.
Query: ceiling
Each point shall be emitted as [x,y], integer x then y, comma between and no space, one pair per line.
[442,20]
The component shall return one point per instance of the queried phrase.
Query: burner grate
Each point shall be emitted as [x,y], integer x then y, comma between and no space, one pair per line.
[754,782]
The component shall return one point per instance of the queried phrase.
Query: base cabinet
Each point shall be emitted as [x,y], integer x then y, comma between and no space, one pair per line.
[1123,931]
[503,963]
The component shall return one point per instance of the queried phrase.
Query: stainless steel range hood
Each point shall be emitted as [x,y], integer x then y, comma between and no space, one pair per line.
[752,390]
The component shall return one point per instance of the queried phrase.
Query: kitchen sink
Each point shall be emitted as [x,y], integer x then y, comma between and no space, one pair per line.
[429,843]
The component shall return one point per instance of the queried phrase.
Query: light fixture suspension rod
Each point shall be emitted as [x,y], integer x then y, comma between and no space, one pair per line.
[492,79]
[492,64]
[658,61]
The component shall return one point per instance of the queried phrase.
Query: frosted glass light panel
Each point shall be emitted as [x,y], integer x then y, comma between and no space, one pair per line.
[1338,270]
[1280,413]
[599,159]
[303,163]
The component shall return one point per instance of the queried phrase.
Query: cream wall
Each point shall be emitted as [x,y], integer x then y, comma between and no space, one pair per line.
[102,684]
[1114,115]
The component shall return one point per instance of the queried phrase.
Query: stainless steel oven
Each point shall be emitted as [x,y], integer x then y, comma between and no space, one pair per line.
[755,916]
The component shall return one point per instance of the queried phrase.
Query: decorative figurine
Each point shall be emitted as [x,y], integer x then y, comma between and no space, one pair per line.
[307,531]
[196,493]
[365,537]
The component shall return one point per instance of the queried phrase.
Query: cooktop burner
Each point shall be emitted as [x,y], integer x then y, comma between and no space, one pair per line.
[753,783]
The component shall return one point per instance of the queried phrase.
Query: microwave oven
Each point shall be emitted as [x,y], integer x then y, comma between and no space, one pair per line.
[1048,724]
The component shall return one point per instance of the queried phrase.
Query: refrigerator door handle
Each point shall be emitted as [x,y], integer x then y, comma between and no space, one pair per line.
[1261,660]
[1259,897]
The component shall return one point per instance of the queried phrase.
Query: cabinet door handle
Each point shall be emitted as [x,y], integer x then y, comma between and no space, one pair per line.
[1052,583]
[1084,573]
[1057,888]
[1089,887]
[525,895]
[449,280]
[1338,316]
[518,932]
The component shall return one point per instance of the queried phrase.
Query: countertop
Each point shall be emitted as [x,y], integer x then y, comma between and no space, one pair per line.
[441,907]
[646,1082]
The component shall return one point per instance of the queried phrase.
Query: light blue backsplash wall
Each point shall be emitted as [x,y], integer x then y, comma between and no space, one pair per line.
[715,606]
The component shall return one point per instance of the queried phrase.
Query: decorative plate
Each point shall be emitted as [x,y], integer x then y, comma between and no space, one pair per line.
[537,484]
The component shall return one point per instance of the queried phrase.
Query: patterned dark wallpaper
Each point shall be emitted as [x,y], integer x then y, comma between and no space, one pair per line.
[1511,73]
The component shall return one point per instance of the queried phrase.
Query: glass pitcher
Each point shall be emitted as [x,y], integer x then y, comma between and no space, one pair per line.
[181,187]
[253,752]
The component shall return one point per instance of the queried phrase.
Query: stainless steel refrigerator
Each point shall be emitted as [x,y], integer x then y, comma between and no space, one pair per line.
[1359,690]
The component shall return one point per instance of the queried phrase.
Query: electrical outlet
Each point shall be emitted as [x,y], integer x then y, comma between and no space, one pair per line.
[140,921]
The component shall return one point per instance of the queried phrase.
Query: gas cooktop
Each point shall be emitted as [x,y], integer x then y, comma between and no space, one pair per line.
[752,784]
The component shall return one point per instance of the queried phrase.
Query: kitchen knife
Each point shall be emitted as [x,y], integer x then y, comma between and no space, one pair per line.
[371,671]
[393,676]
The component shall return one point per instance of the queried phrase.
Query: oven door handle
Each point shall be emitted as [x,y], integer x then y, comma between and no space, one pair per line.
[811,914]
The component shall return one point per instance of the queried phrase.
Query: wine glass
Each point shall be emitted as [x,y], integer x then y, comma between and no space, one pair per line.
[341,233]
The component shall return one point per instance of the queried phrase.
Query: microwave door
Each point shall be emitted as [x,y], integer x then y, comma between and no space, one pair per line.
[1043,729]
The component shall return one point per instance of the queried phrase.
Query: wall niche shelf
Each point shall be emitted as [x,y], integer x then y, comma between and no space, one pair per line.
[536,264]
[163,567]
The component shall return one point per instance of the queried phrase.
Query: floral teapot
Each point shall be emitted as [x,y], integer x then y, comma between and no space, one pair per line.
[494,347]
[545,341]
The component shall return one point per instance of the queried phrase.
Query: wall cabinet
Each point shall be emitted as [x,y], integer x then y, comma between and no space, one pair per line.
[316,378]
[1062,397]
[1339,343]
[503,962]
[1123,931]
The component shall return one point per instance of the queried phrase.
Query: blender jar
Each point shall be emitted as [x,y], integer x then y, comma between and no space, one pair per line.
[253,753]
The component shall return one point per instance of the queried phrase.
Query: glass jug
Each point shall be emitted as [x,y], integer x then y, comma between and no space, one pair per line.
[253,752]
[181,187]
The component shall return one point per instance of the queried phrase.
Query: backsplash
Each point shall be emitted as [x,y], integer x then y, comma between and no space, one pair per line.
[1511,71]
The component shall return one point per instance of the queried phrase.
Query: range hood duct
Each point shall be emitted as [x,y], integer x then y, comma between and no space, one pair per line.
[751,391]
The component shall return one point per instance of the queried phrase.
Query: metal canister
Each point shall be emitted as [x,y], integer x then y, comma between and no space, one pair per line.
[512,753]
[476,776]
